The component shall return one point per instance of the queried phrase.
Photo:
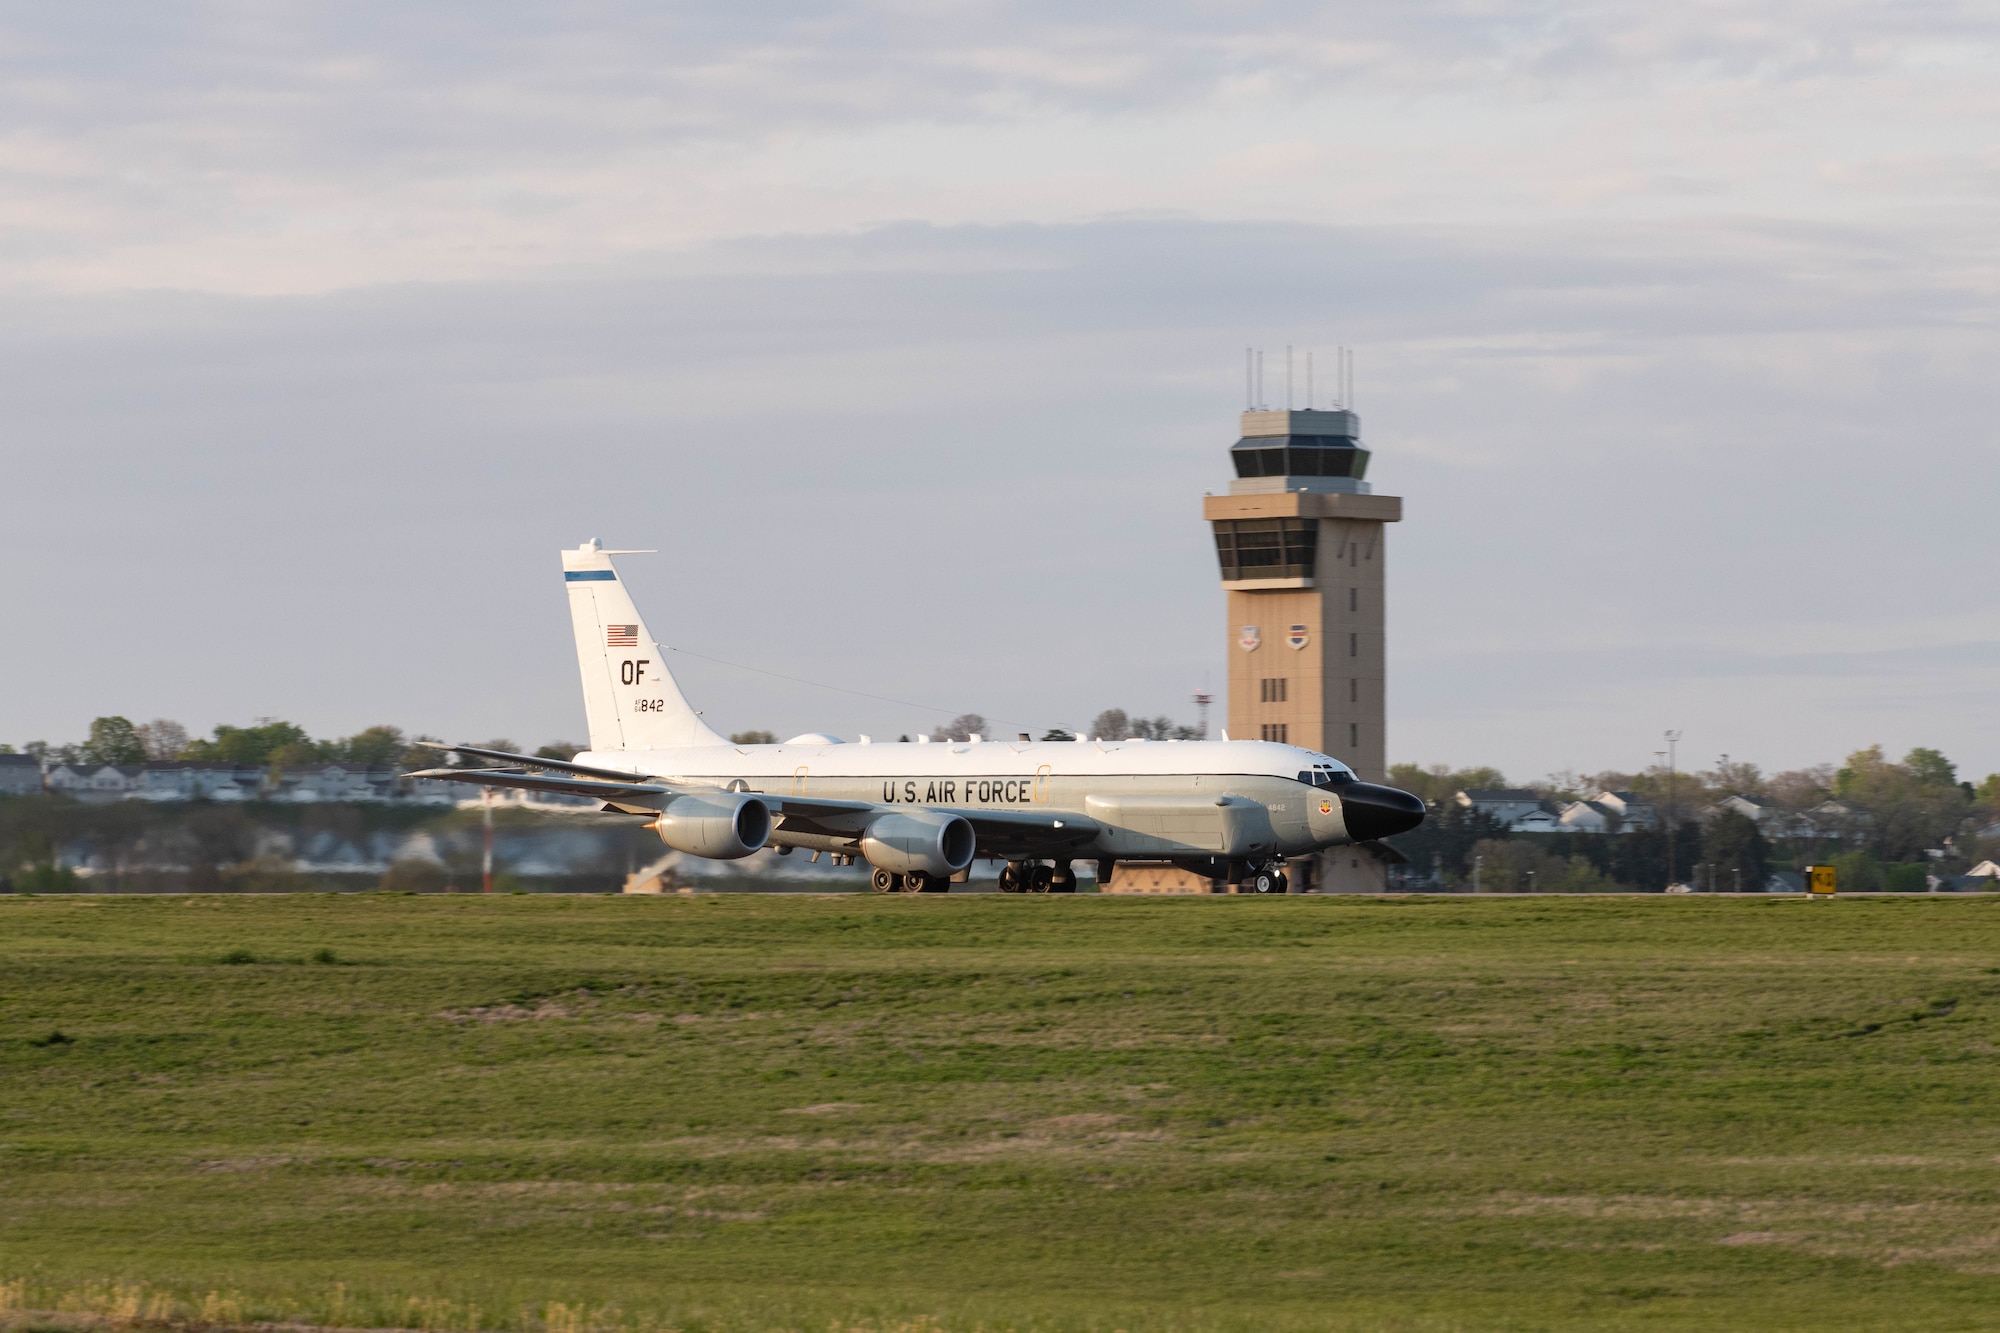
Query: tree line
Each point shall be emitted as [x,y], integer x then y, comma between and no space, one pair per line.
[1892,825]
[267,744]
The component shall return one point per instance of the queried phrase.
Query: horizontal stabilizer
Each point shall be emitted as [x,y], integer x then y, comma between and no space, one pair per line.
[644,794]
[530,761]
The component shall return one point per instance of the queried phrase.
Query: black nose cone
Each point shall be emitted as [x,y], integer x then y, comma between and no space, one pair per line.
[1372,812]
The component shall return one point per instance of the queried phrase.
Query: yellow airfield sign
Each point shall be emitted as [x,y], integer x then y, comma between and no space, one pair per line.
[1819,879]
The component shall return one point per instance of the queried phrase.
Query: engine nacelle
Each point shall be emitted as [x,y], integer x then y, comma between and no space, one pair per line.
[723,827]
[936,844]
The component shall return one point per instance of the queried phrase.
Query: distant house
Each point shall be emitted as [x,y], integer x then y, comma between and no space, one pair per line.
[1771,819]
[336,782]
[1608,812]
[1984,870]
[196,780]
[1753,808]
[1541,820]
[1634,810]
[1589,817]
[432,791]
[1505,804]
[20,775]
[93,782]
[514,796]
[1516,809]
[1837,819]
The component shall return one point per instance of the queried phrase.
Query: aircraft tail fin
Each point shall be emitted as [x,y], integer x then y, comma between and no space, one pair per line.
[629,696]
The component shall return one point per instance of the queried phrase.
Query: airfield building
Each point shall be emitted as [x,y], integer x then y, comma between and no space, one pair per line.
[1299,538]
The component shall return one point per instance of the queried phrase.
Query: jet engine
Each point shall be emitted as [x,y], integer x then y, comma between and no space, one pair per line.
[723,826]
[935,844]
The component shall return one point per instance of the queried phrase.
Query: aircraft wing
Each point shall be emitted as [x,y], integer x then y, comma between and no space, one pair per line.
[1016,833]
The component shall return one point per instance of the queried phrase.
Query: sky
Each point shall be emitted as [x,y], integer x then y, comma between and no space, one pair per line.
[912,335]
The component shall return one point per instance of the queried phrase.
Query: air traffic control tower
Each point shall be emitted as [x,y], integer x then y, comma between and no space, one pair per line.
[1299,537]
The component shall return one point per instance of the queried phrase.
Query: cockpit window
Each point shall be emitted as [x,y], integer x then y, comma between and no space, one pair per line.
[1321,775]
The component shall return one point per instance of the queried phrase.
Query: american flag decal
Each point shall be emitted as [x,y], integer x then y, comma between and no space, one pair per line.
[621,636]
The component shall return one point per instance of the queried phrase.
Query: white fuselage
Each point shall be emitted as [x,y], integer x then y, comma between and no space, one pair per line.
[1153,798]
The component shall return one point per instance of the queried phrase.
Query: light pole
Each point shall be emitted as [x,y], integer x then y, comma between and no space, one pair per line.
[486,861]
[1673,740]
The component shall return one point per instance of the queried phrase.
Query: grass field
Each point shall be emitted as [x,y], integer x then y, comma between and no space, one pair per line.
[751,1112]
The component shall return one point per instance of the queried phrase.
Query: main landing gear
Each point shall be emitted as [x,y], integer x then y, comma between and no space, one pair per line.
[1035,877]
[1266,878]
[888,881]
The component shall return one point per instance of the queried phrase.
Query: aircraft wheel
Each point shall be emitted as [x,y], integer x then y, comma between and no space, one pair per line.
[1263,881]
[885,881]
[1013,878]
[1062,880]
[918,881]
[1043,879]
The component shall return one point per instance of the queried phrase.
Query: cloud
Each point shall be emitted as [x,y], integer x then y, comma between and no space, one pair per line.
[911,334]
[960,466]
[239,147]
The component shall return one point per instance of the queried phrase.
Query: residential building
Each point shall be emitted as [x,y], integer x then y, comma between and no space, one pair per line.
[336,782]
[1837,819]
[1771,819]
[1542,819]
[191,780]
[20,775]
[1590,817]
[93,782]
[519,797]
[1633,810]
[430,791]
[1505,804]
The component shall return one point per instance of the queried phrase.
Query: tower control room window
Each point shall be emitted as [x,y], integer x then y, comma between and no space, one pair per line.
[1266,548]
[1299,456]
[1277,731]
[1271,690]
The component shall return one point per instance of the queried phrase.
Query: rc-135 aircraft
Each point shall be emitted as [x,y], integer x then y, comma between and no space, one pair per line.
[920,812]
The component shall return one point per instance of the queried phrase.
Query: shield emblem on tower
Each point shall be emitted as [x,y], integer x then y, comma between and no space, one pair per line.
[1298,638]
[1249,639]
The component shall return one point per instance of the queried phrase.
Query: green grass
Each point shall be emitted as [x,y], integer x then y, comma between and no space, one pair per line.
[752,1112]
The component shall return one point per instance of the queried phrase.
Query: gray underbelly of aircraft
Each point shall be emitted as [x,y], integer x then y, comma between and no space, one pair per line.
[1242,817]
